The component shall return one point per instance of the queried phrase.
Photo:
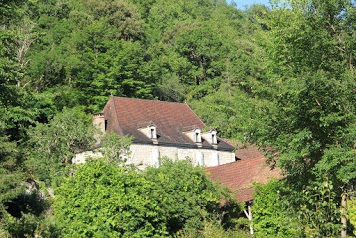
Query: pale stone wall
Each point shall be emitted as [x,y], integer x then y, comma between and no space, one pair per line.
[148,155]
[145,155]
[81,157]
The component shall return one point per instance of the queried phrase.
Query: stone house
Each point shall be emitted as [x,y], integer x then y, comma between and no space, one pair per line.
[161,129]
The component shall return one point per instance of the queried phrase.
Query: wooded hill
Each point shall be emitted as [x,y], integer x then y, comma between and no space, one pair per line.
[281,77]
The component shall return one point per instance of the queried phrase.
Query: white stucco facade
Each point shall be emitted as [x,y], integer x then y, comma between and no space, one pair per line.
[144,155]
[80,158]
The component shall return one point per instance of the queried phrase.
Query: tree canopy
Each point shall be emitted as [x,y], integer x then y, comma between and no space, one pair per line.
[103,199]
[279,76]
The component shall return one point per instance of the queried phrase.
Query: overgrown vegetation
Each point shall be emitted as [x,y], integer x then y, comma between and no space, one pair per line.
[103,199]
[281,77]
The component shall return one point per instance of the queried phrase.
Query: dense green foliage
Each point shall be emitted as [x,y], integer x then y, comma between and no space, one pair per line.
[106,200]
[103,200]
[310,117]
[275,213]
[185,194]
[281,77]
[54,144]
[116,149]
[10,173]
[270,211]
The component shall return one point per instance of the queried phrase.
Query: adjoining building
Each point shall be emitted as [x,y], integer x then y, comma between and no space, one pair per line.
[240,176]
[251,167]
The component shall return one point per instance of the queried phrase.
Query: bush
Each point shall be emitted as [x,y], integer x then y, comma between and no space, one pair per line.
[270,213]
[280,211]
[105,200]
[186,194]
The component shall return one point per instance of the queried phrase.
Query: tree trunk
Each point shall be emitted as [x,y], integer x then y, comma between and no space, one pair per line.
[248,214]
[343,214]
[251,224]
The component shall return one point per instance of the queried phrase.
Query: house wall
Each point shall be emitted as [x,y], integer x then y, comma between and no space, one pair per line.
[80,158]
[144,155]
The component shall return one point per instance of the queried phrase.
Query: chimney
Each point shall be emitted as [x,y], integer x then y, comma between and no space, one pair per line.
[100,124]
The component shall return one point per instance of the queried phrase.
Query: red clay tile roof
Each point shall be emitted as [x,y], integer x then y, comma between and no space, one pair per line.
[126,115]
[249,152]
[241,175]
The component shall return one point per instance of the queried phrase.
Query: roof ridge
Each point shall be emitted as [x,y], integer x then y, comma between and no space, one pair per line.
[180,103]
[152,100]
[196,115]
[117,117]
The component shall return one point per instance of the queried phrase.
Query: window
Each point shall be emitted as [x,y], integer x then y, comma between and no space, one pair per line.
[152,132]
[214,139]
[199,157]
[197,135]
[155,154]
[215,160]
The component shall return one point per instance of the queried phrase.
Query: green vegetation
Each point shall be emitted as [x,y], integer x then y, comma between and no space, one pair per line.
[106,200]
[282,78]
[54,144]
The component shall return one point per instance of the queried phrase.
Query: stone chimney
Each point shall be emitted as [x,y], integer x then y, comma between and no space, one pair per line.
[100,125]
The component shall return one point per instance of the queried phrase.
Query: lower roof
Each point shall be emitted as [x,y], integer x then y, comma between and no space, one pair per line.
[242,174]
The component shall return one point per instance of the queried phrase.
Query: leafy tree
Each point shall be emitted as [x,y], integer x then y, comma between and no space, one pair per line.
[27,215]
[89,49]
[352,214]
[197,55]
[271,213]
[312,35]
[13,117]
[186,195]
[280,211]
[164,15]
[122,16]
[9,71]
[12,50]
[104,200]
[54,144]
[227,113]
[311,118]
[116,148]
[22,208]
[11,175]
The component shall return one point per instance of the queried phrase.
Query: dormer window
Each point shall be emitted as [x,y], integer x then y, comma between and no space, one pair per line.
[211,137]
[152,132]
[214,139]
[197,135]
